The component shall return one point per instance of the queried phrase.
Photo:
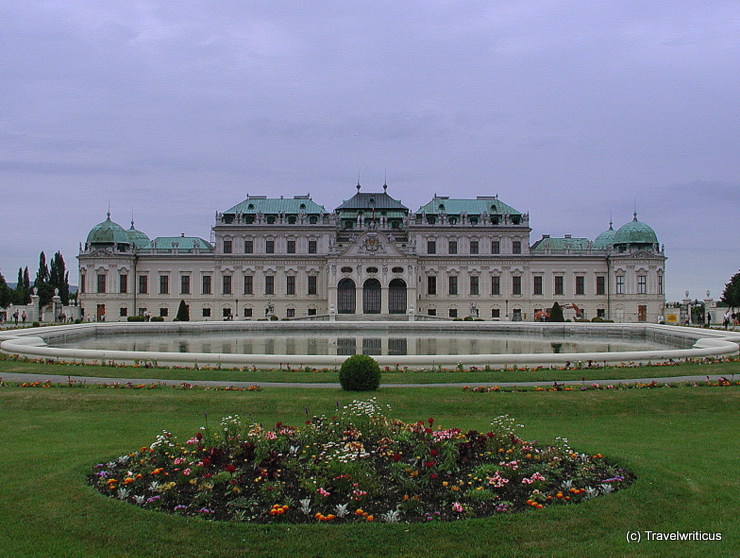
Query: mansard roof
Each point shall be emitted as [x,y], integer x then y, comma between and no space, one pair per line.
[275,206]
[371,200]
[456,206]
[561,244]
[179,244]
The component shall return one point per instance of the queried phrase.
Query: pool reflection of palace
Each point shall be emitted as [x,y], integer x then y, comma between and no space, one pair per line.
[372,258]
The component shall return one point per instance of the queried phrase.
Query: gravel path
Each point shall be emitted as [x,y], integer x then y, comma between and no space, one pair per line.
[60,379]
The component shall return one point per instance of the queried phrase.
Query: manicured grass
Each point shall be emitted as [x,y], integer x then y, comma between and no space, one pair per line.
[682,443]
[390,377]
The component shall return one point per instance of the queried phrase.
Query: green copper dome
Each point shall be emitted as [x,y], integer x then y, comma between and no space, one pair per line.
[137,238]
[635,232]
[605,239]
[107,232]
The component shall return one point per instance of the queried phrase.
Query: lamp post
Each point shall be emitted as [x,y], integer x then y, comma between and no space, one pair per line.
[236,311]
[507,308]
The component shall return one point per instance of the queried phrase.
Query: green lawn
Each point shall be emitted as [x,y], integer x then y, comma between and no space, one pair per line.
[682,443]
[391,377]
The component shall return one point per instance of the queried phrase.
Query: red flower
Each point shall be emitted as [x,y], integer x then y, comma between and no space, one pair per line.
[430,421]
[430,463]
[230,468]
[396,457]
[434,452]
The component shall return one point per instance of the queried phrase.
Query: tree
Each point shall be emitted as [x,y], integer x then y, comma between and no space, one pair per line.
[183,312]
[731,294]
[556,313]
[6,294]
[44,288]
[22,287]
[59,277]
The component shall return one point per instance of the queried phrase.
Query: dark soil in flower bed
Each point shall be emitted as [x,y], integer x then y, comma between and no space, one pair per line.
[357,466]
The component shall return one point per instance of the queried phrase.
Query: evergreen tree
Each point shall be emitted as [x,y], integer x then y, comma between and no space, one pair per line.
[731,294]
[6,294]
[59,277]
[44,288]
[183,312]
[22,287]
[556,313]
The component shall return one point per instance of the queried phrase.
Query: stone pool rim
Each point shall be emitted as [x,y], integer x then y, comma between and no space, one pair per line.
[38,343]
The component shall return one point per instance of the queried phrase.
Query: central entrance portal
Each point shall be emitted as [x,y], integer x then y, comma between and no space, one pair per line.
[346,296]
[371,297]
[397,297]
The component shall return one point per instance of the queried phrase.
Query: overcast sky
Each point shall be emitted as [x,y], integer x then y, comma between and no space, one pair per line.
[571,111]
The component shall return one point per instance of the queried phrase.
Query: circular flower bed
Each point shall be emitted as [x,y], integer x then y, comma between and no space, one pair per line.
[359,466]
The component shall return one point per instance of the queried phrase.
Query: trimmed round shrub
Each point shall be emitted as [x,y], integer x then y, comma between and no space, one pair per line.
[359,373]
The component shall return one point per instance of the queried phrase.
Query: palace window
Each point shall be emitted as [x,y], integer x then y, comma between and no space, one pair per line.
[269,246]
[290,285]
[495,285]
[312,246]
[559,285]
[580,285]
[184,284]
[452,247]
[641,284]
[206,312]
[206,285]
[123,283]
[249,246]
[227,284]
[291,247]
[516,247]
[164,284]
[101,282]
[537,285]
[473,246]
[143,284]
[495,247]
[432,285]
[312,285]
[248,284]
[227,247]
[453,312]
[474,285]
[516,285]
[620,284]
[453,285]
[269,284]
[600,285]
[431,246]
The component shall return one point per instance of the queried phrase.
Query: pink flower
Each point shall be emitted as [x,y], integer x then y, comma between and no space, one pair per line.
[186,472]
[457,507]
[323,492]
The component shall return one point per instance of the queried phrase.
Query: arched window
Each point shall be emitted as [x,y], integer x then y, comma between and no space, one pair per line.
[346,301]
[371,297]
[397,296]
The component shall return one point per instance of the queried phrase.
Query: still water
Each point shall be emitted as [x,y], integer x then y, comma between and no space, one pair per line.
[369,343]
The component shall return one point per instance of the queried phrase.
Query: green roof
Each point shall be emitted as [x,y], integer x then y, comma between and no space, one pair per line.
[179,244]
[107,232]
[635,232]
[456,206]
[561,244]
[605,239]
[368,201]
[137,238]
[388,214]
[263,204]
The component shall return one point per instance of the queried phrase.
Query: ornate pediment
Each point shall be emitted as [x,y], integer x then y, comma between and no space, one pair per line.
[100,253]
[372,244]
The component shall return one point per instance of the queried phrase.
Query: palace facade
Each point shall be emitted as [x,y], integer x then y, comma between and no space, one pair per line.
[372,257]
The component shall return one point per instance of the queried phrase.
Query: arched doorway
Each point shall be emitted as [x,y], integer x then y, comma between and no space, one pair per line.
[346,302]
[371,297]
[397,296]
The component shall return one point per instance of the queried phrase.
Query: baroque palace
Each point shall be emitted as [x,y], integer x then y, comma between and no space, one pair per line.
[451,258]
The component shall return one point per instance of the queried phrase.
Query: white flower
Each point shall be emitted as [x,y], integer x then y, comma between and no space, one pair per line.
[392,516]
